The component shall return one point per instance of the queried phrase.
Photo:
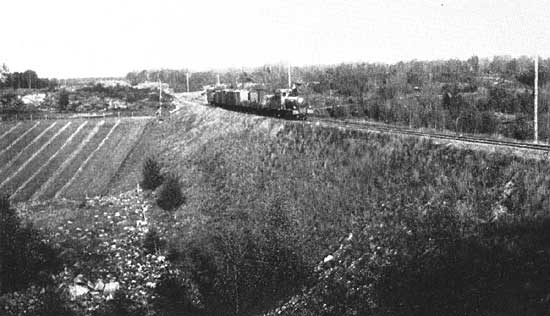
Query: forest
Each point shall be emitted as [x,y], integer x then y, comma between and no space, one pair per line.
[477,95]
[24,80]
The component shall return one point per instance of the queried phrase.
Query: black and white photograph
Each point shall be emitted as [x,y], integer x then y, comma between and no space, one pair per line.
[275,158]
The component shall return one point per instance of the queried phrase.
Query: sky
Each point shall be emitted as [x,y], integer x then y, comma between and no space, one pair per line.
[109,38]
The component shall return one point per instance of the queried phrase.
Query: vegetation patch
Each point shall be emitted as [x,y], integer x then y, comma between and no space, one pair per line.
[170,196]
[297,219]
[421,214]
[151,174]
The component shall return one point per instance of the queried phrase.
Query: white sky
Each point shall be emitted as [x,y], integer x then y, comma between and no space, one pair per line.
[96,38]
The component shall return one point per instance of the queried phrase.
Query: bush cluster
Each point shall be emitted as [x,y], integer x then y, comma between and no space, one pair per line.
[120,305]
[151,174]
[153,243]
[431,265]
[25,258]
[169,195]
[238,266]
[36,301]
[26,265]
[176,295]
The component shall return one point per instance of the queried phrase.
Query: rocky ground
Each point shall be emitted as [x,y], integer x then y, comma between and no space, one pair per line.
[101,243]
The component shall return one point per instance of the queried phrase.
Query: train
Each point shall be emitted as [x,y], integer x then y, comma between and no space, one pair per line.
[283,103]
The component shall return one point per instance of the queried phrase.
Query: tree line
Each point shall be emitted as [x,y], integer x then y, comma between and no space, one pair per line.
[476,95]
[24,80]
[356,79]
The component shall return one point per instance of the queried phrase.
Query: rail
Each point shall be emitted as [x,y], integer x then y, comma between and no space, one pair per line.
[437,135]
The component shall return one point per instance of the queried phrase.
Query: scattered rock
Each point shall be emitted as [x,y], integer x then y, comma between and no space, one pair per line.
[110,289]
[328,258]
[77,290]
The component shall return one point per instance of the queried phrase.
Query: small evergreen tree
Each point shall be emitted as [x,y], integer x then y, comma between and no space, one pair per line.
[170,196]
[151,174]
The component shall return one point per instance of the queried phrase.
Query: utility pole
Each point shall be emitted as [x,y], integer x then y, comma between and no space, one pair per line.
[218,80]
[160,93]
[536,98]
[289,81]
[187,79]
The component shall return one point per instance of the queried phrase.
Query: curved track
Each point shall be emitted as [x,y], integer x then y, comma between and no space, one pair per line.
[395,129]
[436,135]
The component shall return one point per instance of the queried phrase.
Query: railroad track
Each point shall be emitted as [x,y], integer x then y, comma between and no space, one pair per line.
[381,127]
[409,131]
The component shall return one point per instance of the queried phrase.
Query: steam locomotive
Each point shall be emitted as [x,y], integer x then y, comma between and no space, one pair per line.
[284,103]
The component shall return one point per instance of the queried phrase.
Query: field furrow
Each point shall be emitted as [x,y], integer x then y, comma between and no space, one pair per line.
[13,159]
[5,131]
[18,172]
[53,166]
[75,184]
[64,158]
[21,140]
[106,161]
[69,167]
[30,176]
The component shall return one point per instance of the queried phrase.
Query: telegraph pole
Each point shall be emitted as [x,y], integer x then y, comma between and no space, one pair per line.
[187,79]
[536,98]
[289,82]
[160,92]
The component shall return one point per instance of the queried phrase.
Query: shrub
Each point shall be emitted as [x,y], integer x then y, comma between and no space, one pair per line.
[120,305]
[170,196]
[37,302]
[520,129]
[428,265]
[152,243]
[151,174]
[54,302]
[25,257]
[242,264]
[176,295]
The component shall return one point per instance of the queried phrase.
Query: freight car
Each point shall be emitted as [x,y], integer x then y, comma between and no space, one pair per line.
[283,103]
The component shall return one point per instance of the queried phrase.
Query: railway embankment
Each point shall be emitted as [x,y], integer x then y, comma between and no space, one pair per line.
[295,218]
[409,202]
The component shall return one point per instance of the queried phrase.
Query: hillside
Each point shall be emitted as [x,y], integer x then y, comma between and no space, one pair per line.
[62,158]
[313,220]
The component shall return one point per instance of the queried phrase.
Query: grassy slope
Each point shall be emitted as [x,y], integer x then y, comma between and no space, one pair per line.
[327,182]
[329,170]
[5,126]
[107,160]
[25,153]
[330,180]
[54,164]
[12,135]
[33,165]
[95,175]
[13,149]
[150,144]
[67,174]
